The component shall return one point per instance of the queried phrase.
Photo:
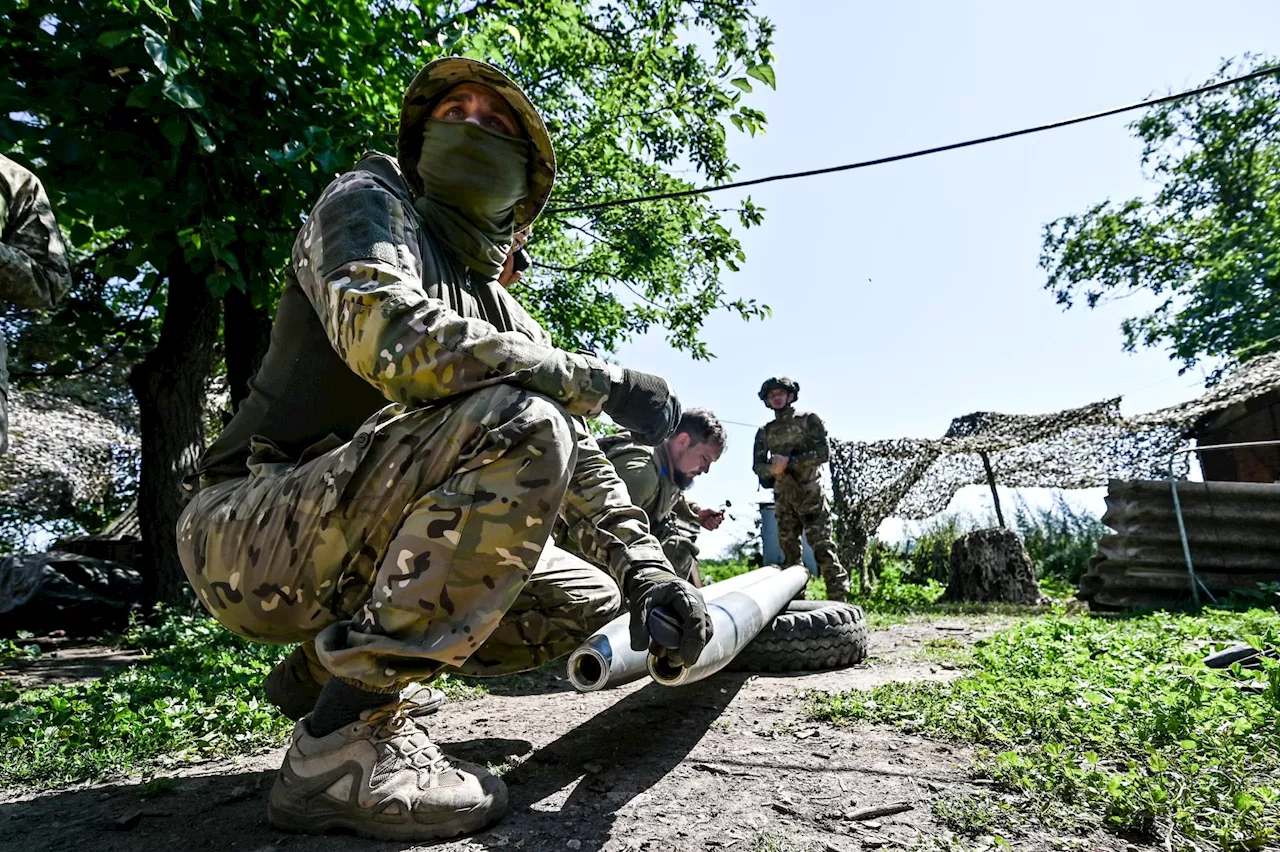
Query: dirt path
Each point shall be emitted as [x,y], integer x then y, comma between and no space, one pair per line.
[723,764]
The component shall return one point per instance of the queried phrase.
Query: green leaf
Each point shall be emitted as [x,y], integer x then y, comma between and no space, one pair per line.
[742,83]
[183,95]
[115,38]
[197,9]
[141,96]
[157,50]
[207,145]
[161,10]
[764,74]
[174,129]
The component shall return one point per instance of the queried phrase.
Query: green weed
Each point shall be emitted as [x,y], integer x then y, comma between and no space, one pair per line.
[1114,716]
[10,650]
[893,594]
[975,815]
[198,695]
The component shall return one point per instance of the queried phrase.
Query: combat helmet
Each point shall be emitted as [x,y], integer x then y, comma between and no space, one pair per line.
[779,382]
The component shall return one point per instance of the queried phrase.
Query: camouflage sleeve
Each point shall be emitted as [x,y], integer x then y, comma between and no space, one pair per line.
[604,525]
[760,457]
[686,509]
[358,260]
[819,451]
[34,272]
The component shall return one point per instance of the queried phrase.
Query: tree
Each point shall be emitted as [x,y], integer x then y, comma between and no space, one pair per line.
[183,142]
[1208,242]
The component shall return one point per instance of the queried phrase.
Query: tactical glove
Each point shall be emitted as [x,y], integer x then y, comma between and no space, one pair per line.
[643,404]
[652,585]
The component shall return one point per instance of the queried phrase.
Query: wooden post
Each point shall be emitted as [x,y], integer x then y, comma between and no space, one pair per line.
[991,480]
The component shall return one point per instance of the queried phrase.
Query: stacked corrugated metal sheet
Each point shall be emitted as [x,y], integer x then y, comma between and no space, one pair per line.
[1233,529]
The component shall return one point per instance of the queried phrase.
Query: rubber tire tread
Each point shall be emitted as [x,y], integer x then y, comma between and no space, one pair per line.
[807,636]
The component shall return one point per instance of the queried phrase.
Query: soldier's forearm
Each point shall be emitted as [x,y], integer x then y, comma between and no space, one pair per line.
[24,282]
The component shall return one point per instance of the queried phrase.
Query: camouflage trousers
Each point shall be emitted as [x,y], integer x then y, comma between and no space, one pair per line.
[416,547]
[802,509]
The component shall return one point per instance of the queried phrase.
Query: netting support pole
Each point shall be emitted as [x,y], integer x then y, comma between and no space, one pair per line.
[991,480]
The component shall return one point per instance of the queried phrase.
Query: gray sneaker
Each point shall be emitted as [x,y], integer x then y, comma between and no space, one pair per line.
[294,687]
[382,778]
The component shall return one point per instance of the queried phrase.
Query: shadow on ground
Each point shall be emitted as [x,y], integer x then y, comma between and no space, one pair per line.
[570,789]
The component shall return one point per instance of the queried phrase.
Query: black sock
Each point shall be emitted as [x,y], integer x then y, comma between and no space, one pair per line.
[340,704]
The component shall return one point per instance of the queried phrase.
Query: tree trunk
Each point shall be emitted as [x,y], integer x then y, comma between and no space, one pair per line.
[169,384]
[992,565]
[246,333]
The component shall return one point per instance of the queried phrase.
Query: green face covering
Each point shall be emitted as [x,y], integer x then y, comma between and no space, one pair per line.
[472,179]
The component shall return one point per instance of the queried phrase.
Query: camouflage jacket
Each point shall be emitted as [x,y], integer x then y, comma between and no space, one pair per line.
[34,272]
[800,436]
[647,473]
[375,310]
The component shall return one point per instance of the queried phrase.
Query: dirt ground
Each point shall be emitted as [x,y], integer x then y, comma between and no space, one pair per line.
[726,764]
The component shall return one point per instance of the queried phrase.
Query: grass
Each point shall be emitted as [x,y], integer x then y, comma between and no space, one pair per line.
[197,696]
[1111,717]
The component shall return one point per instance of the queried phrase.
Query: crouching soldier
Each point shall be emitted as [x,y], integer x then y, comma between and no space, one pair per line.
[657,477]
[385,493]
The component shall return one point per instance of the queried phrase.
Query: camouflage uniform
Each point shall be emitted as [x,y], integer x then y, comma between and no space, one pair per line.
[647,473]
[34,272]
[408,538]
[799,503]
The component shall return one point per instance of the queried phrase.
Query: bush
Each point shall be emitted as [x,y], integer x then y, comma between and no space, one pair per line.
[715,570]
[893,594]
[1059,538]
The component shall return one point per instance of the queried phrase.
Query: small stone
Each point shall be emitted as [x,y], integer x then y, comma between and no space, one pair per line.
[594,767]
[574,844]
[127,822]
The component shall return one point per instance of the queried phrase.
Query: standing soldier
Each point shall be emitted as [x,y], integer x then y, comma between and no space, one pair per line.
[33,259]
[788,455]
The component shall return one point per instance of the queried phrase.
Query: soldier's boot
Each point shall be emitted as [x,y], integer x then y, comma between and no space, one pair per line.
[383,778]
[294,685]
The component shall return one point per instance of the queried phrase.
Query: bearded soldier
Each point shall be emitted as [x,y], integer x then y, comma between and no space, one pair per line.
[657,477]
[789,453]
[33,258]
[385,493]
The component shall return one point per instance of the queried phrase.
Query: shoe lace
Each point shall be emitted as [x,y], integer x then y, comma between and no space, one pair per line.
[394,728]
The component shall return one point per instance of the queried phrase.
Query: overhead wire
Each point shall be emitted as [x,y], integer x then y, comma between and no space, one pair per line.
[923,152]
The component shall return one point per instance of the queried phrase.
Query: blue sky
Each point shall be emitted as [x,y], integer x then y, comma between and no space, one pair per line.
[908,294]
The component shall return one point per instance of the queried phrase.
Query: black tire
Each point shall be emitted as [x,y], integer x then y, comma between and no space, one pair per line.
[807,636]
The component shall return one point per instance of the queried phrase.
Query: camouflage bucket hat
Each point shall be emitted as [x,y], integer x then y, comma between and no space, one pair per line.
[440,75]
[779,382]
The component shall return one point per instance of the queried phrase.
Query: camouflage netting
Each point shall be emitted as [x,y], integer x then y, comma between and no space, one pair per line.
[61,454]
[1079,448]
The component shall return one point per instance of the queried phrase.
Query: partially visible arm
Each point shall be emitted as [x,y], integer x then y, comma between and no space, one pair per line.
[357,259]
[686,510]
[603,522]
[760,457]
[34,271]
